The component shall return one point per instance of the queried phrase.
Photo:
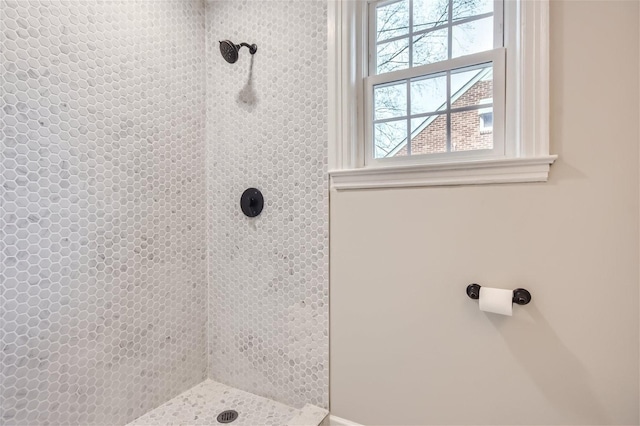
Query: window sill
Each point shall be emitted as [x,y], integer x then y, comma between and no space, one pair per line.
[511,170]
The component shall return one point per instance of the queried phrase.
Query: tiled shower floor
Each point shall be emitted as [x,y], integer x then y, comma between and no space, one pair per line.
[201,405]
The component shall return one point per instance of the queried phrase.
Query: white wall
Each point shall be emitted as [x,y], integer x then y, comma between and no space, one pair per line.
[409,347]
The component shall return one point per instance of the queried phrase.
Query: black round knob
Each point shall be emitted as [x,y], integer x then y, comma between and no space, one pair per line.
[251,202]
[521,296]
[473,291]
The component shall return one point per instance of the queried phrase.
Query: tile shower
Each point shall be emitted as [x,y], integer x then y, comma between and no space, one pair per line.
[129,274]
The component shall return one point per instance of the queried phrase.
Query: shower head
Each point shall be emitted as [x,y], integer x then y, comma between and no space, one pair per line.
[229,50]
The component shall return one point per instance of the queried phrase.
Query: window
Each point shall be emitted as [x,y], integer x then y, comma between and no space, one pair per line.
[428,92]
[419,101]
[486,116]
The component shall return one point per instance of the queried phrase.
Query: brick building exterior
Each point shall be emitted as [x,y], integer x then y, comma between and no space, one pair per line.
[466,131]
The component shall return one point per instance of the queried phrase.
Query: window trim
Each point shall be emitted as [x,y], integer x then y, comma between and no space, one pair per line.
[526,159]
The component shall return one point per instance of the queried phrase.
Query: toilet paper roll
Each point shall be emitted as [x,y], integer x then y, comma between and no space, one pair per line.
[496,300]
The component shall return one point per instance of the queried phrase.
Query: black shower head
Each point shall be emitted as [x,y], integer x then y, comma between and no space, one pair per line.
[229,50]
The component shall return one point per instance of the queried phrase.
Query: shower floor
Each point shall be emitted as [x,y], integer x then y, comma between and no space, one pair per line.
[201,405]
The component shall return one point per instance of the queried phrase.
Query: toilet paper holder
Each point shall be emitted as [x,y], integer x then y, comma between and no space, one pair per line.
[521,296]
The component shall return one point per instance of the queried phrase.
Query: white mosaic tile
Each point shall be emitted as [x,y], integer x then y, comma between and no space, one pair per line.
[309,415]
[266,118]
[103,229]
[104,207]
[202,404]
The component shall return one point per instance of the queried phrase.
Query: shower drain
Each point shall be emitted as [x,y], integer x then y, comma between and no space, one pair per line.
[227,416]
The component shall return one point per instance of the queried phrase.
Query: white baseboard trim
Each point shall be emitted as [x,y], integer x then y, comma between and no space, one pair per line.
[339,421]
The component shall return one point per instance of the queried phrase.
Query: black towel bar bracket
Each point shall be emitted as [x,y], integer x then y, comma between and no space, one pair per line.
[520,295]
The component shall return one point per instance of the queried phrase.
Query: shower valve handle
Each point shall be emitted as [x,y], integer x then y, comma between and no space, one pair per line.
[251,202]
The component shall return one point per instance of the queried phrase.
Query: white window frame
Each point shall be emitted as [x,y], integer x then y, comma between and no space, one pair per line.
[525,157]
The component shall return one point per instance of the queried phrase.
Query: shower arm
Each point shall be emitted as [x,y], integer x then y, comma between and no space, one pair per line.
[252,47]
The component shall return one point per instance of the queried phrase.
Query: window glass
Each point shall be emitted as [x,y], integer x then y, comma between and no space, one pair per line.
[446,112]
[393,55]
[410,33]
[390,101]
[472,37]
[428,94]
[486,121]
[430,47]
[463,9]
[466,132]
[429,135]
[429,13]
[392,20]
[388,137]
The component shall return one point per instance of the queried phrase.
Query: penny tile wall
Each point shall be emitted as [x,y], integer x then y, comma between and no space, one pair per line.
[266,128]
[103,227]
